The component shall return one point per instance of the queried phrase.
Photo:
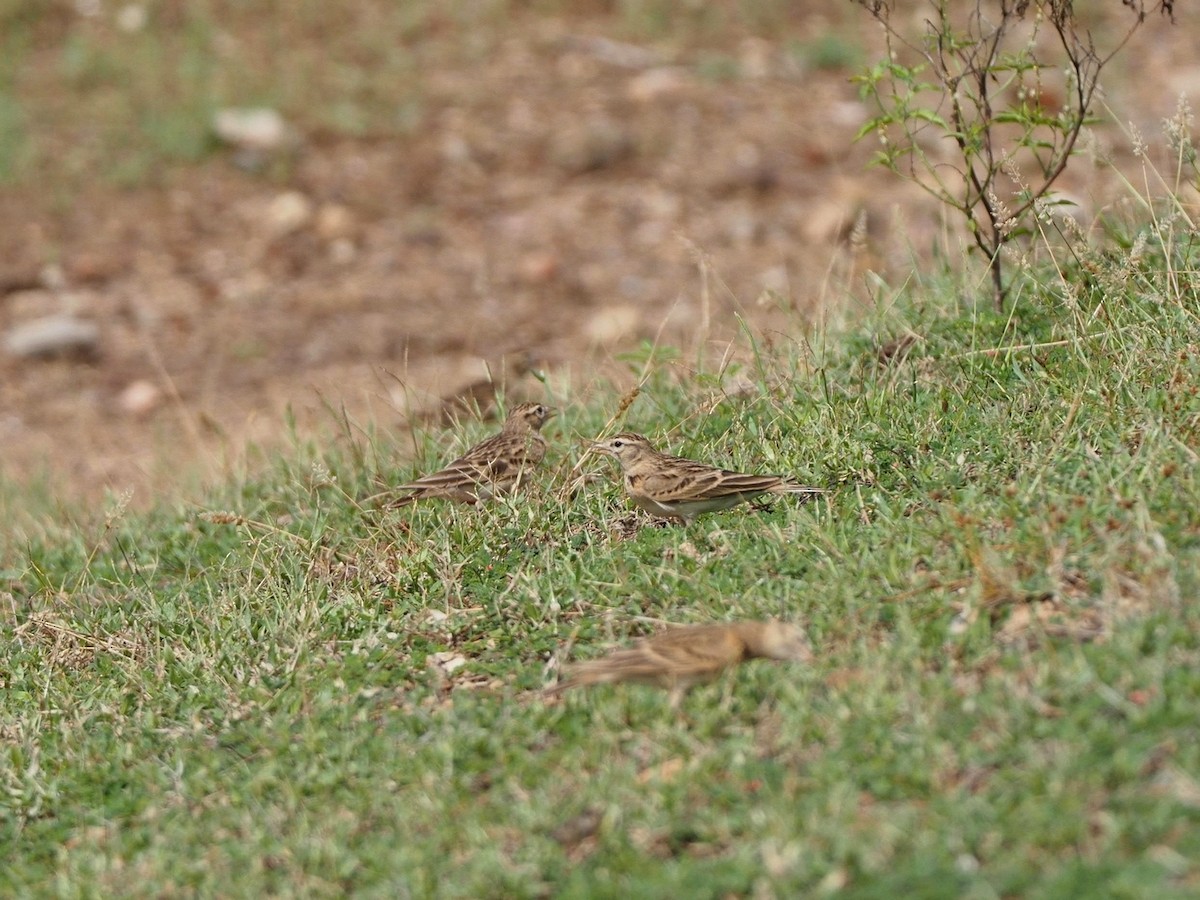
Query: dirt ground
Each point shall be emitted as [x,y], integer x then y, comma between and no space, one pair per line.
[562,199]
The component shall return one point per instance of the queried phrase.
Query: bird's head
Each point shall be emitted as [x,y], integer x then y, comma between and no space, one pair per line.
[531,416]
[627,447]
[783,640]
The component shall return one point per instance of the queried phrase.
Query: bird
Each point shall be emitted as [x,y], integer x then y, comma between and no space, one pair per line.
[682,656]
[676,488]
[495,465]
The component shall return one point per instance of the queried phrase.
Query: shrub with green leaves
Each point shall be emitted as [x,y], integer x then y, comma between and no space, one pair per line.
[987,92]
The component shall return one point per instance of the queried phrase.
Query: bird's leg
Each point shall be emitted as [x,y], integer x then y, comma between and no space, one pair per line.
[675,697]
[726,694]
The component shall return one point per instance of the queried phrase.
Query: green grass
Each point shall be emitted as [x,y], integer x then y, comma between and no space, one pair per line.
[1000,586]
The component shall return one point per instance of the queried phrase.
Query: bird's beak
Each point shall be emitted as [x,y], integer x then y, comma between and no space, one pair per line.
[600,447]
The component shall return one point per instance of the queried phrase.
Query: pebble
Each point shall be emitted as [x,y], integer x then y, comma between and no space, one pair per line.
[132,17]
[742,226]
[612,323]
[848,113]
[754,57]
[342,251]
[655,83]
[827,220]
[139,398]
[538,267]
[616,53]
[59,335]
[335,221]
[596,144]
[288,212]
[775,279]
[447,661]
[260,129]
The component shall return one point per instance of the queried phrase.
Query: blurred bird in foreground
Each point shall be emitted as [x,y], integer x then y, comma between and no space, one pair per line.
[498,464]
[687,655]
[678,488]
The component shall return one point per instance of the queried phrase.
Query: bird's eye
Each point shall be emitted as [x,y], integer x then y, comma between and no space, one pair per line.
[618,443]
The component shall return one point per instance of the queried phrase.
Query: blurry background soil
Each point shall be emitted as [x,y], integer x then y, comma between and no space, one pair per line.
[464,188]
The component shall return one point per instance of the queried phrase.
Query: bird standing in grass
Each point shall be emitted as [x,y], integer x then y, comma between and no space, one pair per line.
[680,657]
[498,464]
[678,488]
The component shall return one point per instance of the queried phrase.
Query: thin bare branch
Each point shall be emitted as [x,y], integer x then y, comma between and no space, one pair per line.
[973,67]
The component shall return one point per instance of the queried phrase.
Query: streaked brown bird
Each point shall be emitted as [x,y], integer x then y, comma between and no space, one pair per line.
[683,656]
[678,488]
[498,464]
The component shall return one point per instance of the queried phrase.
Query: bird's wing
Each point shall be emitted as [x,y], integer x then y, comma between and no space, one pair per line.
[739,483]
[676,657]
[463,472]
[676,479]
[684,480]
[695,650]
[498,459]
[654,663]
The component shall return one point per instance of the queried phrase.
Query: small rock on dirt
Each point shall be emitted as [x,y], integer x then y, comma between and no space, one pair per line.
[288,212]
[597,144]
[132,17]
[139,398]
[612,323]
[653,84]
[52,336]
[260,129]
[538,267]
[334,222]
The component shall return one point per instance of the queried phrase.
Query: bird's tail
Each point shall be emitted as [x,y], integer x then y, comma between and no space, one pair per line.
[555,689]
[794,487]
